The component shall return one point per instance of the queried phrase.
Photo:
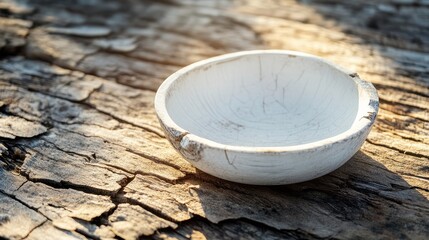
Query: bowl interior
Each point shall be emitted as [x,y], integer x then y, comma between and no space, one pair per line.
[264,100]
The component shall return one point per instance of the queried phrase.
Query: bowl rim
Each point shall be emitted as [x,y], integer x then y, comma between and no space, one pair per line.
[366,121]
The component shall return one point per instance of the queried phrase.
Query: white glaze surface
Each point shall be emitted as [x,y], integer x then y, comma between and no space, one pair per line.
[266,117]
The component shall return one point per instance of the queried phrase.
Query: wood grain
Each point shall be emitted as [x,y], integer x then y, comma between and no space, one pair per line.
[82,154]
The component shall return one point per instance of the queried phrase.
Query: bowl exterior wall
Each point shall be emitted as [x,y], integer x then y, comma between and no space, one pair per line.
[267,167]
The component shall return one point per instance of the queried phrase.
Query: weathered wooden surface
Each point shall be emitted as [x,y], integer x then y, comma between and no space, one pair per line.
[83,156]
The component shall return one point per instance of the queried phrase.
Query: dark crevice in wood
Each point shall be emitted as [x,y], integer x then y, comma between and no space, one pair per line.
[108,166]
[375,33]
[224,229]
[6,53]
[19,187]
[4,109]
[209,42]
[87,234]
[298,233]
[423,178]
[88,158]
[402,115]
[383,100]
[399,90]
[217,182]
[90,93]
[409,80]
[153,158]
[422,189]
[149,157]
[148,128]
[350,183]
[168,3]
[399,113]
[387,127]
[119,198]
[46,124]
[63,184]
[23,203]
[164,62]
[13,157]
[76,69]
[414,154]
[382,129]
[373,194]
[77,62]
[41,224]
[68,185]
[115,199]
[46,94]
[158,213]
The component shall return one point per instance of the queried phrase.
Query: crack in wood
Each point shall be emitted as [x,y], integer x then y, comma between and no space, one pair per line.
[414,154]
[393,57]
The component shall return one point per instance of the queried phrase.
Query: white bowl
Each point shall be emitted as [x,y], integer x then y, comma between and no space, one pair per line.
[266,117]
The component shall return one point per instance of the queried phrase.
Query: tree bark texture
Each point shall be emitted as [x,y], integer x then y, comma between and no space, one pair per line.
[82,154]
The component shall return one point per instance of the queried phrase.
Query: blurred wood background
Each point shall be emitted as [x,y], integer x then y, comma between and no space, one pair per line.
[83,156]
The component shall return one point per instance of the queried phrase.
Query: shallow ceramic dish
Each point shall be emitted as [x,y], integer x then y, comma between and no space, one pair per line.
[266,117]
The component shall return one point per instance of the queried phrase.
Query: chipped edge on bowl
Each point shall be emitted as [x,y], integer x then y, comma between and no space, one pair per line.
[190,145]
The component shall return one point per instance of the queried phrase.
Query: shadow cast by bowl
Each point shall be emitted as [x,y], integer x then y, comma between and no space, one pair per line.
[362,198]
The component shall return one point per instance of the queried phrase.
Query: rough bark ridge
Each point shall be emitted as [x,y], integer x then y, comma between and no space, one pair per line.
[82,154]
